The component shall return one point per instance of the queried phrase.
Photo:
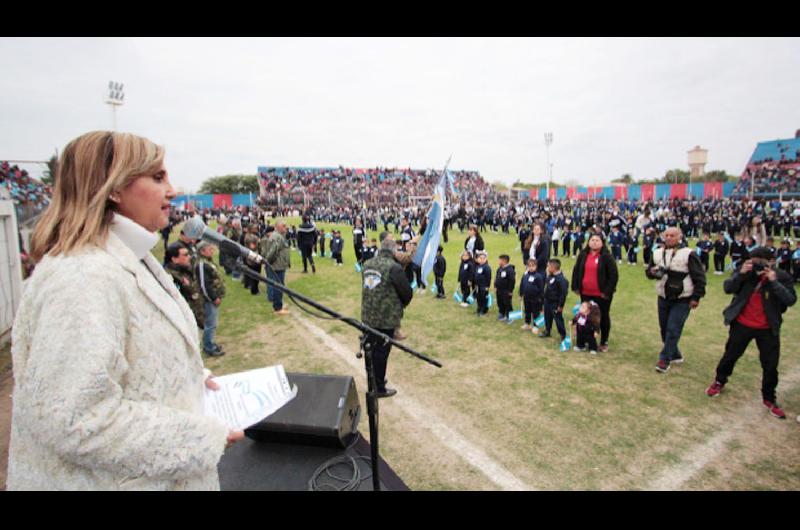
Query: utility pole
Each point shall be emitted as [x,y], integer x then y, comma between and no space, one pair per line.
[548,141]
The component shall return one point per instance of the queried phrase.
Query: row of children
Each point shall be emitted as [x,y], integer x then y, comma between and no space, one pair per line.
[739,250]
[543,297]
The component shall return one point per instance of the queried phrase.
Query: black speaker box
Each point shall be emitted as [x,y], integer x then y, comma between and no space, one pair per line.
[325,412]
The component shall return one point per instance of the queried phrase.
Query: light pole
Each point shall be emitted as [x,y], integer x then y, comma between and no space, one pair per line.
[114,98]
[548,141]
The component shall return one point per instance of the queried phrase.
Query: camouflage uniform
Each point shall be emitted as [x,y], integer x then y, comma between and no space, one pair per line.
[385,292]
[251,238]
[191,293]
[215,285]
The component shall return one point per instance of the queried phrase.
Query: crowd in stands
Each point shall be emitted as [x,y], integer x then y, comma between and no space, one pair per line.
[352,188]
[27,193]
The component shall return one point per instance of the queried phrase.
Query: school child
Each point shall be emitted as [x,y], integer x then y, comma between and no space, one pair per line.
[705,245]
[784,257]
[738,251]
[585,326]
[648,240]
[337,244]
[556,288]
[504,283]
[796,262]
[616,241]
[483,280]
[771,247]
[466,277]
[531,290]
[370,251]
[633,246]
[721,248]
[439,268]
[322,237]
[579,236]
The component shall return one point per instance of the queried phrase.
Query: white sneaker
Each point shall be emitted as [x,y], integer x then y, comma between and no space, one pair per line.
[576,348]
[464,304]
[525,327]
[593,352]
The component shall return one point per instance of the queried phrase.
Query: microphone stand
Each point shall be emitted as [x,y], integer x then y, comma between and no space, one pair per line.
[369,339]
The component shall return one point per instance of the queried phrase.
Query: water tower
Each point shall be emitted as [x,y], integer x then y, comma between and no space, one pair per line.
[698,158]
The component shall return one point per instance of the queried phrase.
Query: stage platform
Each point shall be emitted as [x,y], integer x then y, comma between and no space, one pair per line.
[262,466]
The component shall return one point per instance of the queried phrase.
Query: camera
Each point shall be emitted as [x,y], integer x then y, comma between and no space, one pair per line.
[758,267]
[659,273]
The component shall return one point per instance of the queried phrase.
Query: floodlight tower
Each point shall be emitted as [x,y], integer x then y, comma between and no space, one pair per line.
[115,98]
[548,141]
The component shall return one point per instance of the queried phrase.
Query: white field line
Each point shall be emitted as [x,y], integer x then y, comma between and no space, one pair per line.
[423,417]
[693,462]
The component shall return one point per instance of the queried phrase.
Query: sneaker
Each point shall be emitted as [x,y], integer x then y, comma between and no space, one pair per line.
[715,389]
[593,352]
[662,367]
[501,317]
[544,335]
[399,336]
[578,348]
[775,409]
[283,311]
[534,330]
[387,392]
[214,353]
[464,304]
[677,360]
[525,327]
[603,348]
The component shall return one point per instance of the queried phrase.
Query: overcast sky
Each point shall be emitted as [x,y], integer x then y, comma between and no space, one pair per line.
[224,106]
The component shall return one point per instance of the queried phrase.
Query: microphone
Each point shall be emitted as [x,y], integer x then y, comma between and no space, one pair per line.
[196,229]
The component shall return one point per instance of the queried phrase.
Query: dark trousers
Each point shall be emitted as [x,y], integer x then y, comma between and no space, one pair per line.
[532,310]
[380,358]
[307,257]
[555,247]
[672,315]
[632,255]
[483,300]
[358,252]
[466,290]
[565,250]
[647,253]
[605,316]
[704,260]
[769,352]
[719,262]
[440,286]
[337,256]
[550,314]
[418,275]
[274,295]
[251,283]
[504,302]
[585,339]
[617,252]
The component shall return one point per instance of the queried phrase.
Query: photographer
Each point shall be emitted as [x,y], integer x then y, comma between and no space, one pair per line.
[680,286]
[761,295]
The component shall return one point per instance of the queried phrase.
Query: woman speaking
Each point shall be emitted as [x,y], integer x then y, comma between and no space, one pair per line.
[108,375]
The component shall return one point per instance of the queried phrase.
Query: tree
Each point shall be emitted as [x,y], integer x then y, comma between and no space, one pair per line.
[230,184]
[718,175]
[676,176]
[627,178]
[49,175]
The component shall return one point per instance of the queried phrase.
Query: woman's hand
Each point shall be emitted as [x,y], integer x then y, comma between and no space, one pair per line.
[210,383]
[233,437]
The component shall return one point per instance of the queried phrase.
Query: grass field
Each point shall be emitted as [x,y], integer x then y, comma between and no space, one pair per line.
[554,420]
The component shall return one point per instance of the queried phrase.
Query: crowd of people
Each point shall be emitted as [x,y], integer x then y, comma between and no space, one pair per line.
[773,178]
[25,191]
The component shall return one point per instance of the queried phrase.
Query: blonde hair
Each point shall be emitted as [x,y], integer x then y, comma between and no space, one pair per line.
[91,168]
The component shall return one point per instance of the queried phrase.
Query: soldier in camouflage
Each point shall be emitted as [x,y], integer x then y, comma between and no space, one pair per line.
[277,254]
[212,288]
[179,266]
[233,231]
[384,294]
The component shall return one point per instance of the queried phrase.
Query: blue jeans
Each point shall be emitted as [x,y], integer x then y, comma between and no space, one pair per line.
[672,315]
[211,314]
[274,295]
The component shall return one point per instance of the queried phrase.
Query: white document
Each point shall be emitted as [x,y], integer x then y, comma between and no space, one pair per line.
[246,398]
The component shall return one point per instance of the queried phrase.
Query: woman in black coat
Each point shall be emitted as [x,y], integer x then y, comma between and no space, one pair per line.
[541,247]
[478,242]
[595,278]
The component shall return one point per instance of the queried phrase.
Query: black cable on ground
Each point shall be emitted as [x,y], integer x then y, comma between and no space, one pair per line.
[351,483]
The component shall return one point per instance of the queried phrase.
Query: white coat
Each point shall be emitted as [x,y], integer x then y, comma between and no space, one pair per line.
[109,380]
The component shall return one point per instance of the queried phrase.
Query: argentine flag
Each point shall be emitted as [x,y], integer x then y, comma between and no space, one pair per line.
[428,245]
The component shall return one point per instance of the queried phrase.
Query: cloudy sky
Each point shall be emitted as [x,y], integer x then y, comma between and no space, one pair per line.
[224,106]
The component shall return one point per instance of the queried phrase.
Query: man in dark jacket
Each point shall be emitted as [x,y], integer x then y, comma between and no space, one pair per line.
[212,289]
[385,293]
[504,283]
[306,240]
[556,289]
[761,295]
[439,269]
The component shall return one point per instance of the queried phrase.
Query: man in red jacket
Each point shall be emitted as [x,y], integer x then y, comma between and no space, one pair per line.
[761,295]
